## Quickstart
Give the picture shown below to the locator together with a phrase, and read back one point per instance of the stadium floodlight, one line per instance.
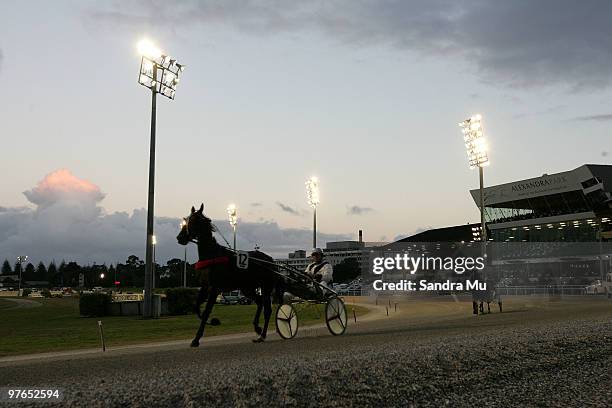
(232, 215)
(160, 73)
(21, 259)
(312, 193)
(475, 142)
(476, 145)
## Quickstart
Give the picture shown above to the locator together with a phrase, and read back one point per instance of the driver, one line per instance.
(320, 270)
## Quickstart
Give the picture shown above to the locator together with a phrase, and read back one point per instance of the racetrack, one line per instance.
(429, 353)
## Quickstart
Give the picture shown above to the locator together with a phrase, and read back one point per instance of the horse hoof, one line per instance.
(195, 344)
(259, 340)
(258, 330)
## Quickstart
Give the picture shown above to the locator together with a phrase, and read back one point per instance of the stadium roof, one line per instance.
(457, 233)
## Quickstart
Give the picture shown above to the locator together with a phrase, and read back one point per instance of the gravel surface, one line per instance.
(492, 360)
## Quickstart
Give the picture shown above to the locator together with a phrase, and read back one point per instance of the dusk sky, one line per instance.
(364, 94)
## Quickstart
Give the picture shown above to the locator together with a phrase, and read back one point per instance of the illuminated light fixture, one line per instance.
(232, 216)
(312, 191)
(475, 142)
(312, 194)
(147, 49)
(158, 72)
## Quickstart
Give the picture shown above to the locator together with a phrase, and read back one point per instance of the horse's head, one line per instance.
(195, 226)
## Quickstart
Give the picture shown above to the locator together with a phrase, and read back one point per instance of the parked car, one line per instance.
(233, 298)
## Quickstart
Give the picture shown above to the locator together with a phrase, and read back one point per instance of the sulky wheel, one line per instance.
(335, 316)
(286, 321)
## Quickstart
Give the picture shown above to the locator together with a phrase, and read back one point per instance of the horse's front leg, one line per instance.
(199, 300)
(212, 298)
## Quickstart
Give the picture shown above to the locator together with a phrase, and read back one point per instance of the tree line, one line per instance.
(128, 274)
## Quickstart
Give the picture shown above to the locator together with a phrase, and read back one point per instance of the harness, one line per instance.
(212, 261)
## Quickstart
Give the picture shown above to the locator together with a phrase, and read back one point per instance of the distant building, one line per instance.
(334, 252)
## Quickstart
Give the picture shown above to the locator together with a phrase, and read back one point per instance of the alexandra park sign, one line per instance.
(540, 183)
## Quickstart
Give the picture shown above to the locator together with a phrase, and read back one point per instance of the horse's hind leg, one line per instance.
(212, 298)
(489, 306)
(267, 309)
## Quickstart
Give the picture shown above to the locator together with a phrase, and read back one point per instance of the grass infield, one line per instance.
(57, 326)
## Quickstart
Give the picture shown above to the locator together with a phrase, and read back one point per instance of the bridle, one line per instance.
(214, 229)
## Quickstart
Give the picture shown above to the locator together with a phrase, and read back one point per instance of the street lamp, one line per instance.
(232, 216)
(312, 192)
(160, 73)
(21, 259)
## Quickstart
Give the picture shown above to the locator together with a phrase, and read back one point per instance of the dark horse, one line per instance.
(220, 273)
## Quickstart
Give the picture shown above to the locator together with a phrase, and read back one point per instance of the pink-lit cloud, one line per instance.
(62, 186)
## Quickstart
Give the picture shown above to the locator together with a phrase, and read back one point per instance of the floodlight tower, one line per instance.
(476, 145)
(232, 215)
(312, 193)
(160, 73)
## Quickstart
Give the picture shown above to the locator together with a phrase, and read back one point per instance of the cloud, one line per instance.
(357, 210)
(521, 43)
(67, 223)
(61, 186)
(594, 118)
(287, 208)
